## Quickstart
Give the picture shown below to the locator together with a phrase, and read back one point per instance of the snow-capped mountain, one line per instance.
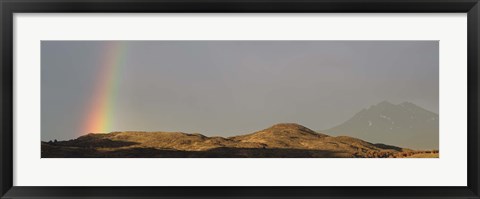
(405, 125)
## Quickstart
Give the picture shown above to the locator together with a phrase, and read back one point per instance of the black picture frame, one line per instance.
(10, 7)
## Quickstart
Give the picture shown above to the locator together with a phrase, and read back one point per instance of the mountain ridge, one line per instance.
(404, 124)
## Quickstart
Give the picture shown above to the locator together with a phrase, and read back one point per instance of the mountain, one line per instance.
(405, 124)
(285, 140)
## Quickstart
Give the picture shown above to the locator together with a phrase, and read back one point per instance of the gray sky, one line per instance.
(234, 87)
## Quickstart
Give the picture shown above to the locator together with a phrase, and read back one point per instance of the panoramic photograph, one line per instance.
(240, 99)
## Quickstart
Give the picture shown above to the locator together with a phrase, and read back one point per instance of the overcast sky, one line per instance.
(228, 88)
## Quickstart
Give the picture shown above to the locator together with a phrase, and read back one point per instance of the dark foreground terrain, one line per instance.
(279, 141)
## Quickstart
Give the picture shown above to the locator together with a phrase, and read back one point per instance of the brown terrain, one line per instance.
(284, 140)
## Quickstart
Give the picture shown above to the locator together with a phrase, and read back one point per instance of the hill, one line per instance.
(405, 124)
(286, 140)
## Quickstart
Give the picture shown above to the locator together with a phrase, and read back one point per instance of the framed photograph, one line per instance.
(239, 99)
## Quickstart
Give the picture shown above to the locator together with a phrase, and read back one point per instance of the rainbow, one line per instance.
(101, 110)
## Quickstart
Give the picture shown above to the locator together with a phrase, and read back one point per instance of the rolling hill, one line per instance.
(286, 140)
